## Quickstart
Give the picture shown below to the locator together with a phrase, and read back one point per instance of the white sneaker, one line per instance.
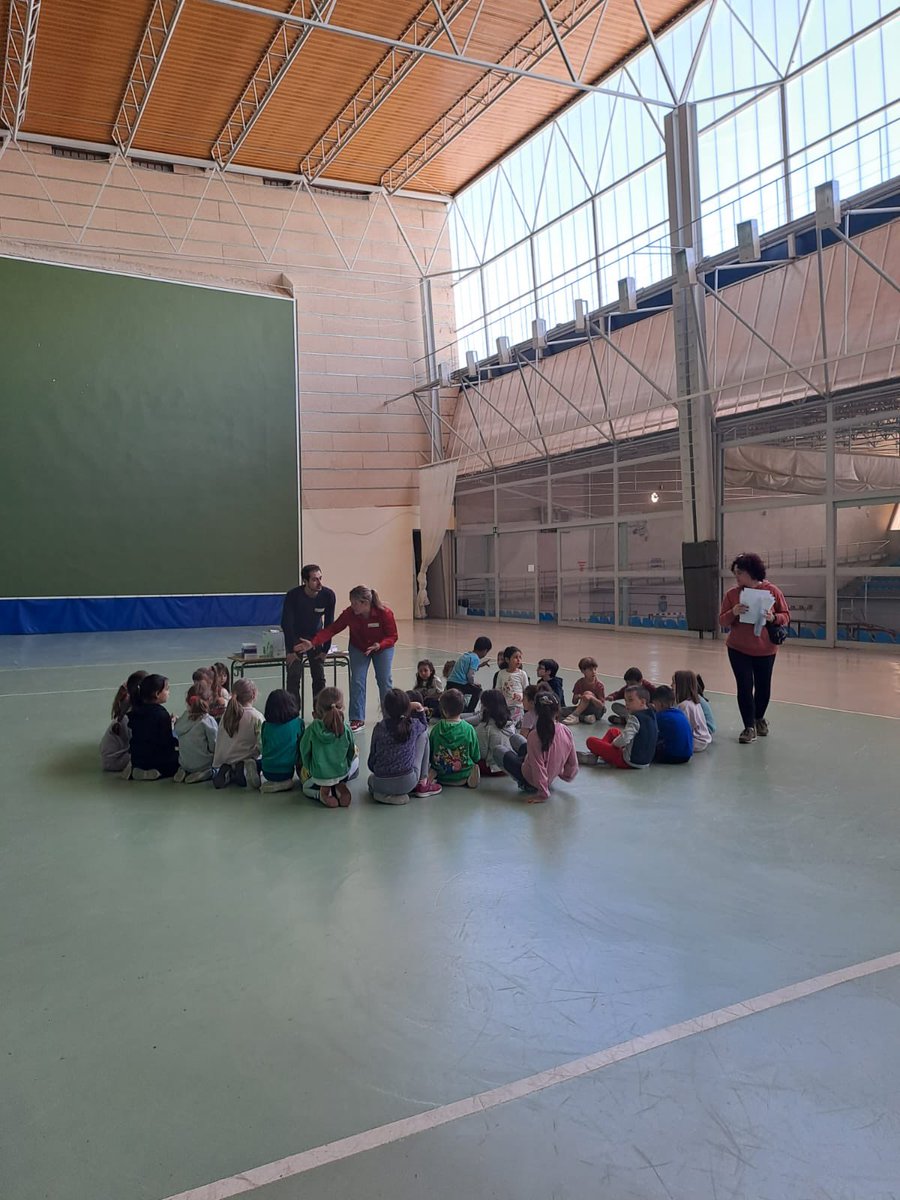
(382, 798)
(590, 719)
(276, 785)
(251, 773)
(586, 759)
(571, 719)
(125, 773)
(144, 776)
(180, 775)
(474, 777)
(198, 776)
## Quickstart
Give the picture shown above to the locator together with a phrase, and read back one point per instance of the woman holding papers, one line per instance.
(755, 613)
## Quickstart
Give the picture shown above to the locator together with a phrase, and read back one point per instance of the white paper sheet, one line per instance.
(758, 602)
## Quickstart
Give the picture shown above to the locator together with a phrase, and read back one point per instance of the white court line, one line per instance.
(395, 1131)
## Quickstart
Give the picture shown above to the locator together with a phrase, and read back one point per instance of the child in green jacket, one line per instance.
(454, 745)
(328, 754)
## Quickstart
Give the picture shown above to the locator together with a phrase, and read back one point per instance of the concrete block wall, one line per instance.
(354, 263)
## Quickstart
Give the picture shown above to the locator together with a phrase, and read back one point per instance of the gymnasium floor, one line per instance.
(197, 984)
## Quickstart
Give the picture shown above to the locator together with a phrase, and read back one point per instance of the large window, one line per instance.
(788, 93)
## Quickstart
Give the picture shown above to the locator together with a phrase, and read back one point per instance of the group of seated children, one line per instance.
(226, 739)
(515, 728)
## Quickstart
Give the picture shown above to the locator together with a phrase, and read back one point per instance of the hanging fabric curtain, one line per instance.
(437, 484)
(802, 472)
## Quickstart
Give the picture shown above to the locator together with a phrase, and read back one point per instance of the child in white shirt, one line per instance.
(687, 697)
(236, 758)
(512, 682)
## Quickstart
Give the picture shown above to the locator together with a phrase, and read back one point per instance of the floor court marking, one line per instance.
(395, 1131)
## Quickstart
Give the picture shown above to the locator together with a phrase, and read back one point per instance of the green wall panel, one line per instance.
(149, 436)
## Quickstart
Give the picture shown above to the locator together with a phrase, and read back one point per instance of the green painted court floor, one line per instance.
(196, 983)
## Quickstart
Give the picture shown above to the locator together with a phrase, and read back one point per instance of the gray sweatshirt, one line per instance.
(196, 742)
(490, 736)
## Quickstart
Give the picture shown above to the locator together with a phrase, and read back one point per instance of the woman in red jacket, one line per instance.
(752, 653)
(373, 634)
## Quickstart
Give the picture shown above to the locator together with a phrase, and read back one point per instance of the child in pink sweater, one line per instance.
(549, 751)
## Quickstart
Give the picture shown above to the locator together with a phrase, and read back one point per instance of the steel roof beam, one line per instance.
(462, 60)
(538, 43)
(21, 35)
(153, 49)
(424, 30)
(279, 56)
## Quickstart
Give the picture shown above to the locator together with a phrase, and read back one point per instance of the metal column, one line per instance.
(695, 414)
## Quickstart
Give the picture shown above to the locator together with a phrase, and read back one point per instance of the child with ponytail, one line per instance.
(328, 753)
(196, 731)
(115, 745)
(548, 752)
(154, 750)
(238, 741)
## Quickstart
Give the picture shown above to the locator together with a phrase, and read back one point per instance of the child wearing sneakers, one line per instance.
(512, 682)
(462, 673)
(548, 672)
(588, 696)
(279, 741)
(549, 752)
(237, 746)
(634, 677)
(154, 750)
(400, 753)
(454, 745)
(197, 733)
(634, 747)
(328, 752)
(495, 731)
(688, 700)
(430, 687)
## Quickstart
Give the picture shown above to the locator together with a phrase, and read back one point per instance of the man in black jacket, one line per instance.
(307, 609)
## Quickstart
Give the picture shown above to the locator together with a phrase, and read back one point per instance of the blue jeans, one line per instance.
(359, 670)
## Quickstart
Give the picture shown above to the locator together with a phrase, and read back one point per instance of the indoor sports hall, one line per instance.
(475, 342)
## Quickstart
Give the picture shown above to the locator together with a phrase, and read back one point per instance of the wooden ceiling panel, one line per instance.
(86, 51)
(82, 62)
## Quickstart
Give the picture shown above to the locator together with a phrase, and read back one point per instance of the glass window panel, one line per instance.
(588, 548)
(864, 536)
(786, 537)
(639, 482)
(522, 502)
(805, 595)
(476, 597)
(517, 572)
(868, 608)
(582, 496)
(475, 508)
(507, 279)
(475, 555)
(652, 603)
(651, 545)
(587, 599)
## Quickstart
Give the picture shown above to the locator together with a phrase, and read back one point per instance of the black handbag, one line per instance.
(777, 633)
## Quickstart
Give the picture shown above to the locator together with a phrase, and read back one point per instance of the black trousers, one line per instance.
(316, 662)
(471, 690)
(753, 675)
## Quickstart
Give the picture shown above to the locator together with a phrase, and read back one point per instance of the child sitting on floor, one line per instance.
(462, 673)
(115, 745)
(495, 731)
(549, 751)
(501, 666)
(429, 685)
(529, 715)
(454, 745)
(705, 705)
(400, 753)
(548, 672)
(279, 741)
(688, 700)
(237, 746)
(197, 732)
(328, 752)
(512, 682)
(634, 677)
(633, 747)
(154, 750)
(220, 694)
(588, 695)
(675, 743)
